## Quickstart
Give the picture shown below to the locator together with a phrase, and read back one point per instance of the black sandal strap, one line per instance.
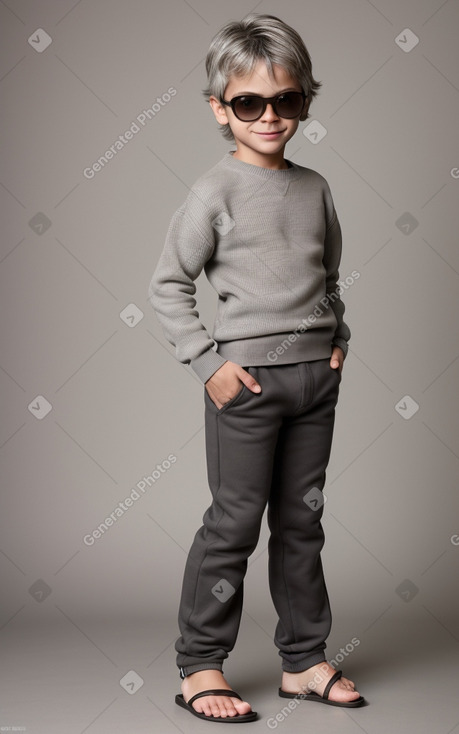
(214, 692)
(331, 682)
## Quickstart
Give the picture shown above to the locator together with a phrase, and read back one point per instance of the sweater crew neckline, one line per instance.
(277, 174)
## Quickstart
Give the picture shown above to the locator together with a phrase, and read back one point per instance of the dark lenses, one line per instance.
(287, 105)
(248, 108)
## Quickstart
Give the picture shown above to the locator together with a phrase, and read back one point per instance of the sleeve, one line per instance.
(171, 292)
(331, 261)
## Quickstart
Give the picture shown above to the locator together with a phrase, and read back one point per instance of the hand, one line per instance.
(225, 383)
(337, 359)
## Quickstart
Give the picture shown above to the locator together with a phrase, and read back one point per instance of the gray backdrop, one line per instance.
(95, 405)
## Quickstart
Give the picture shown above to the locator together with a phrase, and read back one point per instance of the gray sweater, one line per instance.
(269, 242)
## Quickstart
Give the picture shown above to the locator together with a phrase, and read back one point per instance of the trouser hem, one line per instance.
(303, 664)
(188, 669)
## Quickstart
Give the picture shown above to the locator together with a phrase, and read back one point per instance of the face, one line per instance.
(262, 141)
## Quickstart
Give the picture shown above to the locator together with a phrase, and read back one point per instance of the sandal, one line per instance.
(311, 696)
(239, 718)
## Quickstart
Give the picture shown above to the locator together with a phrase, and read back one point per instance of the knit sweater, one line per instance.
(269, 242)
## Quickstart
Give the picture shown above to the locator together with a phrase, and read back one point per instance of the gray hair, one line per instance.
(239, 45)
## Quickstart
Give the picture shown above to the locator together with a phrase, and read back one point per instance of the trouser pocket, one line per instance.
(232, 401)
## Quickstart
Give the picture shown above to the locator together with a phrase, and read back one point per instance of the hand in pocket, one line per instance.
(228, 381)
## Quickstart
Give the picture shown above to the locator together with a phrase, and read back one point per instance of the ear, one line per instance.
(219, 110)
(304, 112)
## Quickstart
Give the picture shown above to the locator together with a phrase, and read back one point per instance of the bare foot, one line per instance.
(218, 706)
(315, 679)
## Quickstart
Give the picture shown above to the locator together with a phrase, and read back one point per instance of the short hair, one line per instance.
(239, 45)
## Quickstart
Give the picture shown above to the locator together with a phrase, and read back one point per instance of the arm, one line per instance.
(331, 260)
(172, 289)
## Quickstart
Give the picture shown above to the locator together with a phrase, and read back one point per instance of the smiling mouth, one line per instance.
(271, 132)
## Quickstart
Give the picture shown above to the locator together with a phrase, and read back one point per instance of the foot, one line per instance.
(218, 706)
(315, 679)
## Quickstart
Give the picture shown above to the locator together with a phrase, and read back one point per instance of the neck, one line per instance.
(274, 161)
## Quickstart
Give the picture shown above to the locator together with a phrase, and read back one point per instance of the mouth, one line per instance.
(270, 135)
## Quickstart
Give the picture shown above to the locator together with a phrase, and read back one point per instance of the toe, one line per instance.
(220, 706)
(341, 693)
(241, 707)
(201, 707)
(348, 684)
(227, 707)
(216, 709)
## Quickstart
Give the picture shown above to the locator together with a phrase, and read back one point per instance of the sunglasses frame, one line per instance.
(266, 101)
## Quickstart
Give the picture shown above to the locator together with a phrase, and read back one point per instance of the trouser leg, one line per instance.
(295, 509)
(240, 446)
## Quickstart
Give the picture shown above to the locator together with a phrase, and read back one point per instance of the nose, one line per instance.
(269, 113)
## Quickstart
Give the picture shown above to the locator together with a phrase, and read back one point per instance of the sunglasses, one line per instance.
(248, 108)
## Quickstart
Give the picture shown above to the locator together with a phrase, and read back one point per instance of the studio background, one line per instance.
(94, 400)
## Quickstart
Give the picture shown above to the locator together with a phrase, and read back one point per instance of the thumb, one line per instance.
(249, 381)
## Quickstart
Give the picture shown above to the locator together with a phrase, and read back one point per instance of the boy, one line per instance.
(265, 231)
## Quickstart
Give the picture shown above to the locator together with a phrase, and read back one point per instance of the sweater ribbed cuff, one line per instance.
(206, 364)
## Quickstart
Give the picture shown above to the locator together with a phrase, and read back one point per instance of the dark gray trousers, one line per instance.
(272, 447)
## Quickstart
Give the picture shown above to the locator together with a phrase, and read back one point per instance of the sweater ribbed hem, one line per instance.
(267, 350)
(275, 349)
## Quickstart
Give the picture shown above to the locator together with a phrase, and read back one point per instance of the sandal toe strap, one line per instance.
(331, 682)
(214, 692)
